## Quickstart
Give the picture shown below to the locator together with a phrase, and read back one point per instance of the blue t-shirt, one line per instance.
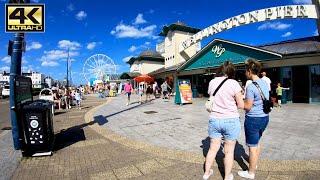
(253, 93)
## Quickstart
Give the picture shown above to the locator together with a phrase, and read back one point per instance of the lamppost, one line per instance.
(15, 50)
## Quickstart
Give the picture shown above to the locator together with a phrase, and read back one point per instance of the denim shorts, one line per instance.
(228, 128)
(254, 127)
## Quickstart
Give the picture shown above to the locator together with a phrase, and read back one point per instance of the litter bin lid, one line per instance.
(38, 104)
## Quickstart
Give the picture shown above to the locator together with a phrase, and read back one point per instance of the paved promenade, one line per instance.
(88, 147)
(9, 158)
(293, 132)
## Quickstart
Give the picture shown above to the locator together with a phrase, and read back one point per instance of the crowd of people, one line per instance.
(149, 90)
(63, 97)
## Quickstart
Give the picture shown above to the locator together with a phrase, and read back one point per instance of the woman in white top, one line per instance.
(224, 118)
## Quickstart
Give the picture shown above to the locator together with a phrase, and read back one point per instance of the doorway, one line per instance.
(300, 84)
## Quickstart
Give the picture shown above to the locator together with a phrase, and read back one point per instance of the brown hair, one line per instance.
(227, 68)
(253, 66)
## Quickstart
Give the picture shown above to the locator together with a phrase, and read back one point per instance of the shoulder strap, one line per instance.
(215, 92)
(261, 93)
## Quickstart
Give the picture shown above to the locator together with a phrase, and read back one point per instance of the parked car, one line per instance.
(5, 91)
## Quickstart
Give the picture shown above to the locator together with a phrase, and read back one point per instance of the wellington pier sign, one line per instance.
(274, 13)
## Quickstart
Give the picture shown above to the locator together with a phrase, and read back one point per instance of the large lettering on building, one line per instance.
(274, 13)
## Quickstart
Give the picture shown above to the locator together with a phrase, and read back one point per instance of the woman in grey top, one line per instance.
(256, 120)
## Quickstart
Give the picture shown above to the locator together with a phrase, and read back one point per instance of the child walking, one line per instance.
(279, 93)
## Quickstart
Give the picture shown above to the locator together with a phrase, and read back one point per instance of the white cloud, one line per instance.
(72, 45)
(51, 58)
(24, 61)
(5, 68)
(81, 15)
(49, 63)
(6, 59)
(132, 49)
(302, 1)
(128, 31)
(316, 33)
(91, 45)
(58, 54)
(70, 7)
(287, 34)
(139, 19)
(27, 68)
(126, 59)
(274, 26)
(34, 45)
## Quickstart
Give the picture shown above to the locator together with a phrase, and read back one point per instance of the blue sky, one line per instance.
(124, 28)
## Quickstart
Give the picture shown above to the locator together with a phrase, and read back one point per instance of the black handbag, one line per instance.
(267, 104)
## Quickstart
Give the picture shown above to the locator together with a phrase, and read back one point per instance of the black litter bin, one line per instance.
(37, 128)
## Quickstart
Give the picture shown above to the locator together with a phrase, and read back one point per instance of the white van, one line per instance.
(5, 91)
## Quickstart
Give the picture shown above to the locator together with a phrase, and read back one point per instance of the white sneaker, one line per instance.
(245, 174)
(230, 177)
(206, 177)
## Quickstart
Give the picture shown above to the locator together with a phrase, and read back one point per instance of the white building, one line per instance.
(4, 78)
(174, 35)
(146, 62)
(38, 79)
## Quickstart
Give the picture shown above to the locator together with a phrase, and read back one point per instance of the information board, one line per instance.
(22, 89)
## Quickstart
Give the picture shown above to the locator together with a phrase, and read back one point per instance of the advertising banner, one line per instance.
(185, 91)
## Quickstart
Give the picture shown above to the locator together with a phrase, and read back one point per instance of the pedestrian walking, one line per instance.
(256, 120)
(140, 92)
(149, 91)
(279, 93)
(155, 89)
(128, 90)
(165, 90)
(267, 80)
(78, 98)
(224, 119)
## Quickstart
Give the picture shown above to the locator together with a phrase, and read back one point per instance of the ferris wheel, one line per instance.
(98, 67)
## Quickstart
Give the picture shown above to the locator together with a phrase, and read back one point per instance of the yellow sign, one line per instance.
(25, 18)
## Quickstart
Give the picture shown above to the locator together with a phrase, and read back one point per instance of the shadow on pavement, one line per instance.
(239, 155)
(72, 135)
(59, 112)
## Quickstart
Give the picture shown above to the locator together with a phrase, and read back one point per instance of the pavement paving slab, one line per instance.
(88, 148)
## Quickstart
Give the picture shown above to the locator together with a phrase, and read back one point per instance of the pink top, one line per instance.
(127, 87)
(224, 101)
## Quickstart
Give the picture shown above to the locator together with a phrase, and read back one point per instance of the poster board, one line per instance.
(22, 89)
(185, 92)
